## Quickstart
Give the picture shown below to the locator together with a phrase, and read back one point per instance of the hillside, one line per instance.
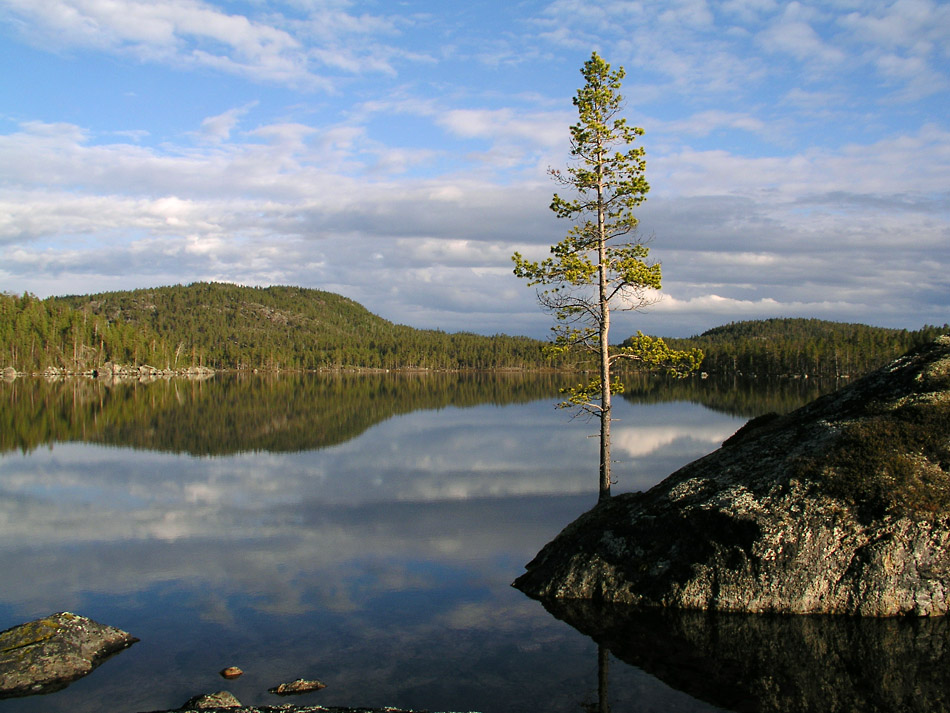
(226, 326)
(799, 347)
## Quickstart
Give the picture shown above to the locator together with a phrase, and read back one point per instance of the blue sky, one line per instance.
(397, 152)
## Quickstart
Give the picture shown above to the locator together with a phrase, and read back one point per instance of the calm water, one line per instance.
(365, 531)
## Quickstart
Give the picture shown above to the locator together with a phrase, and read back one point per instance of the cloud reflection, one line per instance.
(384, 560)
(449, 485)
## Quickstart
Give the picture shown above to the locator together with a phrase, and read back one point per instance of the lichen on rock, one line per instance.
(842, 506)
(49, 653)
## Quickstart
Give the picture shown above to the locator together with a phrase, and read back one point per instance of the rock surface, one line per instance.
(48, 654)
(842, 506)
(297, 687)
(210, 701)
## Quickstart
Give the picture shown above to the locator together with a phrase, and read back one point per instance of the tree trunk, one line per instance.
(604, 337)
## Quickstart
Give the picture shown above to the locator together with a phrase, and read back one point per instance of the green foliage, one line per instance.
(896, 462)
(654, 353)
(37, 334)
(227, 326)
(591, 272)
(794, 347)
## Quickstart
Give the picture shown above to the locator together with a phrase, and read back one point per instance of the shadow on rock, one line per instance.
(766, 663)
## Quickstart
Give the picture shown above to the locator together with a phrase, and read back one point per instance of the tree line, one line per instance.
(225, 326)
(803, 347)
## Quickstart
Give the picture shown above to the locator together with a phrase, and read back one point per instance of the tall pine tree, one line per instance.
(596, 269)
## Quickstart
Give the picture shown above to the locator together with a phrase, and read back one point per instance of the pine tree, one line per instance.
(592, 272)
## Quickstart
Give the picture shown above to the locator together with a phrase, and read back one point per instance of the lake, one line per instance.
(364, 530)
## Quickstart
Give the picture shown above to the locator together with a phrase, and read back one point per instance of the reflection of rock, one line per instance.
(842, 506)
(776, 663)
(48, 654)
(296, 687)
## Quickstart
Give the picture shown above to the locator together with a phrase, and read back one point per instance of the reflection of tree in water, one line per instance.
(231, 414)
(293, 412)
(763, 663)
(728, 394)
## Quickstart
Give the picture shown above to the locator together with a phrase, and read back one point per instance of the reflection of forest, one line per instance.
(230, 414)
(295, 412)
(753, 662)
(733, 395)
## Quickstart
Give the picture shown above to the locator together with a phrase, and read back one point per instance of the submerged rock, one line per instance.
(48, 654)
(842, 506)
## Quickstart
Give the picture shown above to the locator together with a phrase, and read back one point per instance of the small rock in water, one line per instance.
(231, 672)
(296, 687)
(221, 699)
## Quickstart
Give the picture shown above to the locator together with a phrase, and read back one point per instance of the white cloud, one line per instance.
(292, 204)
(793, 34)
(196, 34)
(773, 178)
(637, 442)
(707, 122)
(547, 129)
(919, 26)
(218, 128)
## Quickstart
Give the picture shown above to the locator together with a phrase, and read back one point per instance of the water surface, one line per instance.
(363, 530)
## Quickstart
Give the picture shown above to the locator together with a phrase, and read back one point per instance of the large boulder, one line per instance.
(842, 506)
(47, 654)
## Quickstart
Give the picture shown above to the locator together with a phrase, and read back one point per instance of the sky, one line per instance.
(398, 153)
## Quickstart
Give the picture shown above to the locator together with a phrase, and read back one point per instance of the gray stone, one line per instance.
(47, 654)
(297, 687)
(842, 506)
(210, 701)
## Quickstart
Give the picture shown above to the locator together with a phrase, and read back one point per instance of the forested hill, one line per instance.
(793, 347)
(227, 326)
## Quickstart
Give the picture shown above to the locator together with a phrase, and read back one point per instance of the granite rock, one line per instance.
(48, 654)
(842, 506)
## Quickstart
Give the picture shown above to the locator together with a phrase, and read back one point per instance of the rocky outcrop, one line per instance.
(842, 506)
(48, 654)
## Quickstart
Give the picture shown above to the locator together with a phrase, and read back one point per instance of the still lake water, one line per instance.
(364, 530)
